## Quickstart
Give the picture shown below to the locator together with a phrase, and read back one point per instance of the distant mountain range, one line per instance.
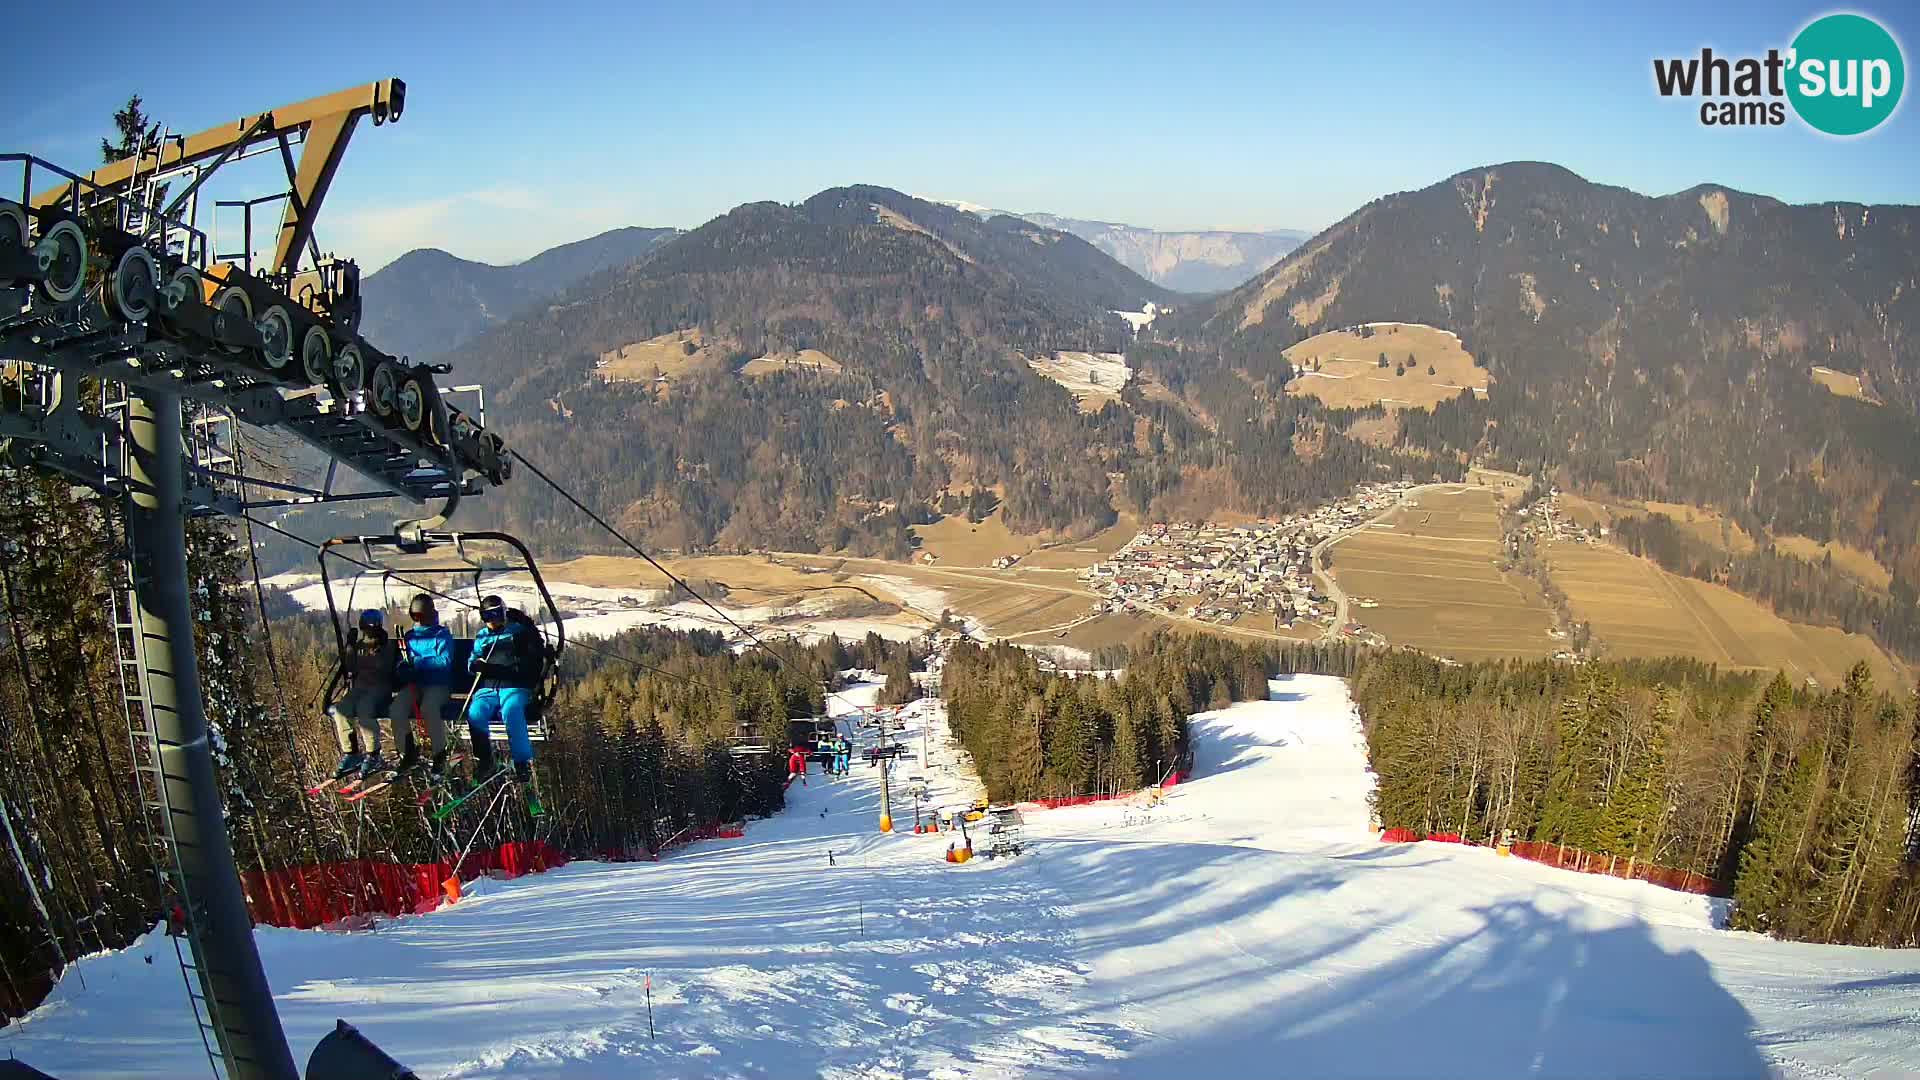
(1188, 261)
(1649, 347)
(427, 301)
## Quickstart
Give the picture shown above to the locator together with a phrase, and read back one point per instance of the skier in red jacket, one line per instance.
(797, 766)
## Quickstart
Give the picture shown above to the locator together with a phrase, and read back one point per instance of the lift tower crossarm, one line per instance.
(327, 123)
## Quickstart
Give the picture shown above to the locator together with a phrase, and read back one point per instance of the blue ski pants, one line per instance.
(509, 705)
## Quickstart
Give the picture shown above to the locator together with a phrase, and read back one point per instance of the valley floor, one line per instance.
(1249, 925)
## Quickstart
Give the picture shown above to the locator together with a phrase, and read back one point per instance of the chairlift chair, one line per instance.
(419, 544)
(748, 741)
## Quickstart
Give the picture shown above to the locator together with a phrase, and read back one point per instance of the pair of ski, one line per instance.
(503, 773)
(355, 788)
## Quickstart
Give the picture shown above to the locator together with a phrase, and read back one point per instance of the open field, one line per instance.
(960, 542)
(1637, 609)
(751, 576)
(1430, 568)
(1861, 565)
(1507, 486)
(1101, 631)
(1080, 554)
(1843, 384)
(1346, 369)
(673, 354)
(1006, 602)
(806, 360)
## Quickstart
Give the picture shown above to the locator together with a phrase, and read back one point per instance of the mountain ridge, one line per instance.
(429, 300)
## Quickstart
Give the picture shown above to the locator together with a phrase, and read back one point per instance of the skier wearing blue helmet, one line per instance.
(368, 667)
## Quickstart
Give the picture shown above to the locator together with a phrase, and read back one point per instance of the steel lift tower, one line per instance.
(127, 346)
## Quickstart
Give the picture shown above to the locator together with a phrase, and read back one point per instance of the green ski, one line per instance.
(442, 813)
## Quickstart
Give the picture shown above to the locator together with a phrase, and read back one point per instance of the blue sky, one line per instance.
(530, 125)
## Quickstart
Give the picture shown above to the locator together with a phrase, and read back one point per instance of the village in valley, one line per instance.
(1220, 573)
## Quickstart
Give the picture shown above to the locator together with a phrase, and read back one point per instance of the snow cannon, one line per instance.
(345, 1054)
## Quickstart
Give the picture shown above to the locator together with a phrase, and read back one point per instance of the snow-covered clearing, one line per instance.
(1084, 373)
(1247, 926)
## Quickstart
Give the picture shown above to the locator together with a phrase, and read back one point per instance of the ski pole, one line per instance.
(474, 687)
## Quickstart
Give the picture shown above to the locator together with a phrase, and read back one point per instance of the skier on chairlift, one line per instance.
(425, 676)
(369, 669)
(507, 658)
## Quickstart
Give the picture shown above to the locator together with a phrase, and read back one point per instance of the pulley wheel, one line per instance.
(233, 303)
(276, 329)
(316, 355)
(461, 425)
(134, 286)
(350, 369)
(13, 226)
(383, 390)
(63, 255)
(184, 287)
(412, 402)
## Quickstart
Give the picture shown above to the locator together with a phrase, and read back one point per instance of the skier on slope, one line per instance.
(426, 678)
(368, 667)
(507, 657)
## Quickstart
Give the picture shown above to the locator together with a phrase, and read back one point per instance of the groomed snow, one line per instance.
(1248, 926)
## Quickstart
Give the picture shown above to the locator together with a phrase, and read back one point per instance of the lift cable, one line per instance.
(295, 757)
(671, 576)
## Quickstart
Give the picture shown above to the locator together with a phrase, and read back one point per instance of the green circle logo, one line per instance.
(1847, 74)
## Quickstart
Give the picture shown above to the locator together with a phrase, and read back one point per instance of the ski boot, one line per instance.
(409, 758)
(437, 772)
(372, 766)
(523, 780)
(349, 765)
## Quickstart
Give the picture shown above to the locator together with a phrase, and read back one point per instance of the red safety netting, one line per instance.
(1584, 862)
(1083, 800)
(1619, 866)
(304, 897)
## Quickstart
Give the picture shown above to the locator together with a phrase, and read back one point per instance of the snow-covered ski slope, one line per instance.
(1247, 927)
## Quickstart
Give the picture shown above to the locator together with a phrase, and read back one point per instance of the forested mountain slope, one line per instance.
(428, 301)
(929, 312)
(1656, 348)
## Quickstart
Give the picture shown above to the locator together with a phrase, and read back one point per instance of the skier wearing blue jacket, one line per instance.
(507, 657)
(425, 675)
